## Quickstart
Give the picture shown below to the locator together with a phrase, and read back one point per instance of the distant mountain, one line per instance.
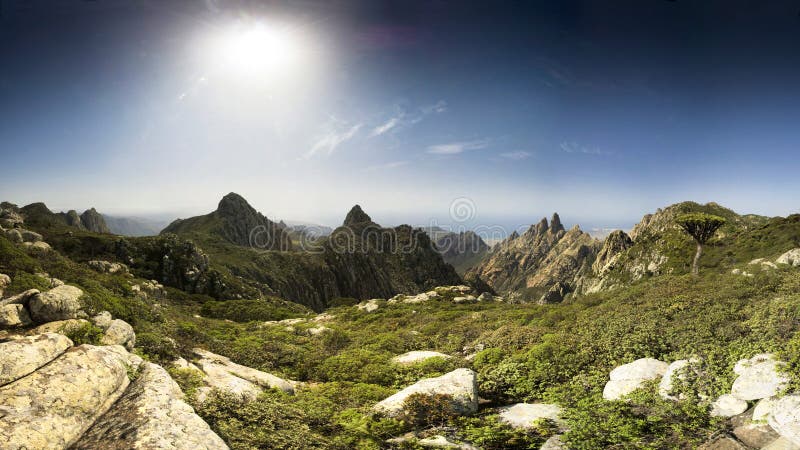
(544, 263)
(236, 222)
(360, 259)
(134, 226)
(462, 250)
(90, 220)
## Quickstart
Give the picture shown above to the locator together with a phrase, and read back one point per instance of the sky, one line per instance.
(437, 112)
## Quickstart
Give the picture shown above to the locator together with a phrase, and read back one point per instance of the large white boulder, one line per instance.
(417, 356)
(673, 373)
(792, 258)
(151, 415)
(223, 374)
(368, 306)
(728, 406)
(5, 280)
(785, 417)
(22, 356)
(58, 303)
(460, 384)
(759, 377)
(523, 415)
(629, 377)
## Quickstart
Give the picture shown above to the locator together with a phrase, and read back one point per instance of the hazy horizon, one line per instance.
(600, 112)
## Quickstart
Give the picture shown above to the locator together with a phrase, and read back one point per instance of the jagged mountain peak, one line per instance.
(234, 204)
(94, 221)
(356, 216)
(555, 224)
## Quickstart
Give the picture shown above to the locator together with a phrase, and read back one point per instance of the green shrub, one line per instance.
(489, 433)
(187, 378)
(157, 347)
(247, 310)
(84, 334)
(342, 301)
(423, 410)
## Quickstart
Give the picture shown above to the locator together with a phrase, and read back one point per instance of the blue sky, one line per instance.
(599, 111)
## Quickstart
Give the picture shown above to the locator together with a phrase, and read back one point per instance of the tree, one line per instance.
(701, 227)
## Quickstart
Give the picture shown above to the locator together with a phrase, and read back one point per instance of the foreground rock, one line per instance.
(629, 377)
(523, 415)
(759, 377)
(223, 374)
(23, 356)
(108, 267)
(785, 418)
(14, 315)
(151, 415)
(54, 406)
(59, 303)
(460, 384)
(417, 356)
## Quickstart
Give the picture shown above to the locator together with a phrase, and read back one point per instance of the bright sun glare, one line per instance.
(261, 50)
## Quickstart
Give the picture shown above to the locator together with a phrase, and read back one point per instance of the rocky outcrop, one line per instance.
(462, 250)
(417, 356)
(615, 244)
(23, 355)
(54, 406)
(629, 377)
(543, 264)
(460, 384)
(59, 303)
(151, 415)
(94, 221)
(728, 405)
(792, 258)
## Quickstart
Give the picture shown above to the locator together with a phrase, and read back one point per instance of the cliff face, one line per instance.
(544, 263)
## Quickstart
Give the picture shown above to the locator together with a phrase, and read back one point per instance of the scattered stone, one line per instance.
(30, 236)
(316, 331)
(440, 441)
(103, 320)
(728, 406)
(151, 414)
(523, 415)
(485, 297)
(58, 303)
(417, 356)
(553, 443)
(22, 356)
(119, 333)
(792, 258)
(5, 280)
(756, 435)
(420, 298)
(465, 299)
(629, 377)
(723, 442)
(763, 263)
(108, 267)
(759, 378)
(461, 384)
(39, 246)
(14, 315)
(14, 236)
(53, 406)
(368, 306)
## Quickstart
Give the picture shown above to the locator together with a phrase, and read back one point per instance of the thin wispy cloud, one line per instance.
(454, 148)
(390, 165)
(386, 127)
(574, 147)
(516, 156)
(338, 133)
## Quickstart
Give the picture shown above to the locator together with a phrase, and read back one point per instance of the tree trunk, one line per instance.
(696, 263)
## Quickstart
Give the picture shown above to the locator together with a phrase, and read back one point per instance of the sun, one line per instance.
(261, 50)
